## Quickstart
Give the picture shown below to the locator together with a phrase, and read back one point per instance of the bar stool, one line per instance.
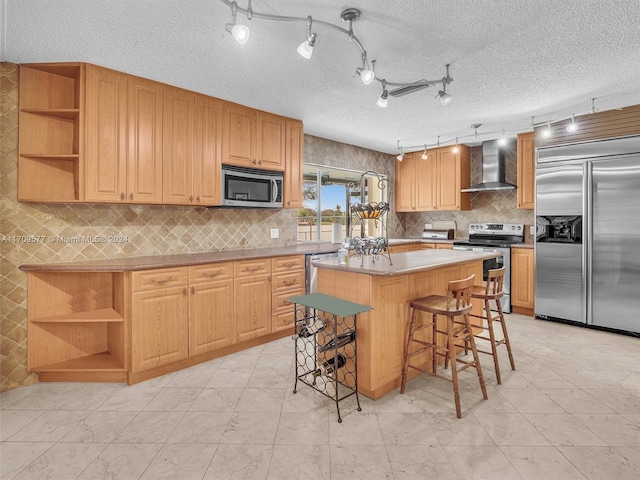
(493, 290)
(456, 304)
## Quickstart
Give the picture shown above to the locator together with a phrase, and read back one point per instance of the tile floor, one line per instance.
(571, 410)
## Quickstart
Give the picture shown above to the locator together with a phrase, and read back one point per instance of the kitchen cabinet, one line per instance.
(210, 307)
(51, 134)
(252, 298)
(288, 280)
(526, 163)
(434, 183)
(105, 160)
(207, 176)
(77, 326)
(251, 138)
(159, 318)
(144, 162)
(294, 157)
(178, 142)
(522, 280)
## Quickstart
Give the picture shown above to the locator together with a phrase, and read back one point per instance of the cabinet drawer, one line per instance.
(248, 268)
(282, 320)
(286, 264)
(288, 281)
(159, 278)
(213, 271)
(279, 301)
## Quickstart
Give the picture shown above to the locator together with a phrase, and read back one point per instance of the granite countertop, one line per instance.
(402, 241)
(406, 262)
(179, 260)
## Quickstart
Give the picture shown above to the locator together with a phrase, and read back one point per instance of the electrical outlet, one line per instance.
(275, 233)
(428, 225)
(532, 229)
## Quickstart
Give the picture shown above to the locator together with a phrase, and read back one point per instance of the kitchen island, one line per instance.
(389, 288)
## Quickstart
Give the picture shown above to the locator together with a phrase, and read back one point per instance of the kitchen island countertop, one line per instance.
(406, 262)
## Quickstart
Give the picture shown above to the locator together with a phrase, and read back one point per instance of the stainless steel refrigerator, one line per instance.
(588, 233)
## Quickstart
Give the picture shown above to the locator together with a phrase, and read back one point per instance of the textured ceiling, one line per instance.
(510, 59)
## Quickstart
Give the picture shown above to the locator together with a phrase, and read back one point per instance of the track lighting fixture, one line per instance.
(382, 101)
(306, 48)
(456, 148)
(573, 126)
(349, 15)
(546, 133)
(239, 32)
(400, 156)
(424, 155)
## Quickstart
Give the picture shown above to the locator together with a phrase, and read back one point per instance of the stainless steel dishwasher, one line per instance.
(312, 272)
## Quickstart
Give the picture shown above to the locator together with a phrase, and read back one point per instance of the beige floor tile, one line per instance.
(528, 400)
(541, 463)
(51, 426)
(601, 463)
(149, 427)
(240, 462)
(562, 429)
(464, 431)
(121, 462)
(62, 461)
(358, 428)
(575, 400)
(14, 420)
(171, 399)
(229, 378)
(217, 400)
(180, 461)
(613, 428)
(420, 462)
(252, 428)
(406, 429)
(15, 456)
(481, 463)
(261, 400)
(309, 462)
(200, 427)
(100, 427)
(360, 462)
(297, 428)
(510, 429)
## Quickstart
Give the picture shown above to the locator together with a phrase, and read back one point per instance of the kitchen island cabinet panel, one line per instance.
(523, 280)
(252, 302)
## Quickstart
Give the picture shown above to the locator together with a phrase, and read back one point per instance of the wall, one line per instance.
(149, 230)
(498, 206)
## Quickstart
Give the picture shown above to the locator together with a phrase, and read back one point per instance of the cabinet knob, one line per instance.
(289, 203)
(131, 196)
(191, 198)
(122, 196)
(254, 162)
(184, 292)
(193, 290)
(259, 162)
(198, 199)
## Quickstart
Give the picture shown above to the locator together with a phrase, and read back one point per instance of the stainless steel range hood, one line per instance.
(493, 160)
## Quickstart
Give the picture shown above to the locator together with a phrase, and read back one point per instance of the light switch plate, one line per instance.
(275, 233)
(532, 229)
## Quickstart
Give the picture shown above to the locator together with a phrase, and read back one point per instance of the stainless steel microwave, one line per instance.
(251, 188)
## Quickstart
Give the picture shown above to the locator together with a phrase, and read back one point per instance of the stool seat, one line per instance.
(481, 292)
(455, 305)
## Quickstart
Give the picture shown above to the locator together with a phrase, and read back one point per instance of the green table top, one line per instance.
(329, 304)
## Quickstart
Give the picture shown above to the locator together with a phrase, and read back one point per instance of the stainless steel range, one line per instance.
(494, 237)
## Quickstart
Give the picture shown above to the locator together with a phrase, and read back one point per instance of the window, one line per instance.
(328, 192)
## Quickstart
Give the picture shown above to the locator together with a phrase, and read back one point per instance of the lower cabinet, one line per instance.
(522, 280)
(252, 297)
(288, 281)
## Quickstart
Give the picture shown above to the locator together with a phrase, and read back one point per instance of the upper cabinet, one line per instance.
(435, 182)
(526, 170)
(51, 133)
(293, 164)
(251, 138)
(90, 134)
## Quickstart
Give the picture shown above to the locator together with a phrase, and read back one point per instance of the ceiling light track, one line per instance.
(350, 15)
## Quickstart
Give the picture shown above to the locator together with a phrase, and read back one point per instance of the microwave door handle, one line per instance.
(274, 196)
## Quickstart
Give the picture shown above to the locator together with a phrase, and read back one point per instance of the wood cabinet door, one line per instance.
(270, 141)
(207, 179)
(426, 186)
(449, 180)
(159, 327)
(405, 184)
(252, 301)
(178, 136)
(294, 157)
(239, 135)
(106, 135)
(210, 316)
(526, 163)
(144, 163)
(522, 278)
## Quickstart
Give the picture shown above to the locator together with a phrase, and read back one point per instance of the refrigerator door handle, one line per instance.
(587, 226)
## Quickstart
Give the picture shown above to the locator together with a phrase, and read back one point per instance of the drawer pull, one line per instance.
(289, 264)
(211, 275)
(252, 269)
(163, 281)
(288, 284)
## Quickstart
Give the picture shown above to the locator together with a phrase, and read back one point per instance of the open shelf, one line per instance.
(99, 362)
(101, 315)
(68, 113)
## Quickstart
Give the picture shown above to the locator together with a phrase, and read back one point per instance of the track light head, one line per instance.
(382, 101)
(367, 76)
(239, 32)
(573, 126)
(400, 156)
(306, 48)
(502, 141)
(445, 98)
(546, 133)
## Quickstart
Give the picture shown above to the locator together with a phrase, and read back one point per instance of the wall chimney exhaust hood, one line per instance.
(493, 160)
